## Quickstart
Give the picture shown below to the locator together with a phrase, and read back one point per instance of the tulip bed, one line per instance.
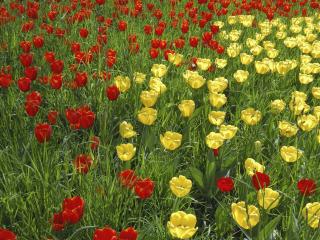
(165, 119)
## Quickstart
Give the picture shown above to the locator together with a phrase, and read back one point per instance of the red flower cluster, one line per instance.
(108, 233)
(143, 188)
(72, 212)
(81, 117)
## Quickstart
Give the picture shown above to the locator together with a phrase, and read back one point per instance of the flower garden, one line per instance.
(159, 120)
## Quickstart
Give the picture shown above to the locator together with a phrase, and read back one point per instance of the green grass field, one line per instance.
(35, 177)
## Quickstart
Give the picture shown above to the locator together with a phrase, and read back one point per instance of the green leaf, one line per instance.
(210, 177)
(266, 232)
(197, 176)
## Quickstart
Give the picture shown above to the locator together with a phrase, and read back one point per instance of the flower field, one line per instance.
(159, 120)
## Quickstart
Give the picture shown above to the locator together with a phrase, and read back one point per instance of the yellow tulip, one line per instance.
(277, 106)
(252, 166)
(256, 50)
(157, 85)
(203, 63)
(246, 216)
(232, 20)
(246, 59)
(228, 131)
(122, 83)
(272, 53)
(246, 20)
(233, 50)
(147, 116)
(251, 116)
(270, 63)
(281, 35)
(234, 35)
(217, 85)
(283, 67)
(290, 42)
(126, 130)
(261, 67)
(139, 77)
(316, 112)
(287, 129)
(194, 79)
(267, 45)
(214, 140)
(182, 225)
(295, 28)
(241, 76)
(316, 92)
(311, 212)
(220, 63)
(217, 100)
(175, 58)
(149, 98)
(305, 59)
(126, 151)
(268, 198)
(187, 107)
(307, 122)
(216, 117)
(250, 42)
(180, 186)
(290, 154)
(311, 37)
(305, 78)
(159, 70)
(171, 140)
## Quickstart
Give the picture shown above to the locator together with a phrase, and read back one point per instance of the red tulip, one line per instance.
(82, 163)
(144, 188)
(83, 32)
(31, 109)
(220, 49)
(112, 93)
(127, 178)
(56, 81)
(122, 25)
(147, 29)
(6, 234)
(105, 233)
(72, 209)
(307, 186)
(5, 80)
(128, 234)
(26, 46)
(26, 59)
(38, 41)
(214, 29)
(153, 53)
(260, 180)
(57, 222)
(193, 41)
(52, 117)
(225, 184)
(179, 43)
(75, 47)
(81, 79)
(43, 132)
(31, 72)
(57, 66)
(34, 98)
(24, 84)
(87, 117)
(72, 116)
(49, 56)
(100, 2)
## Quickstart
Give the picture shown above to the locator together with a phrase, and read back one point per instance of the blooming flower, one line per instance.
(307, 186)
(225, 184)
(290, 153)
(126, 151)
(311, 212)
(182, 225)
(180, 186)
(171, 140)
(252, 166)
(268, 198)
(247, 216)
(126, 130)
